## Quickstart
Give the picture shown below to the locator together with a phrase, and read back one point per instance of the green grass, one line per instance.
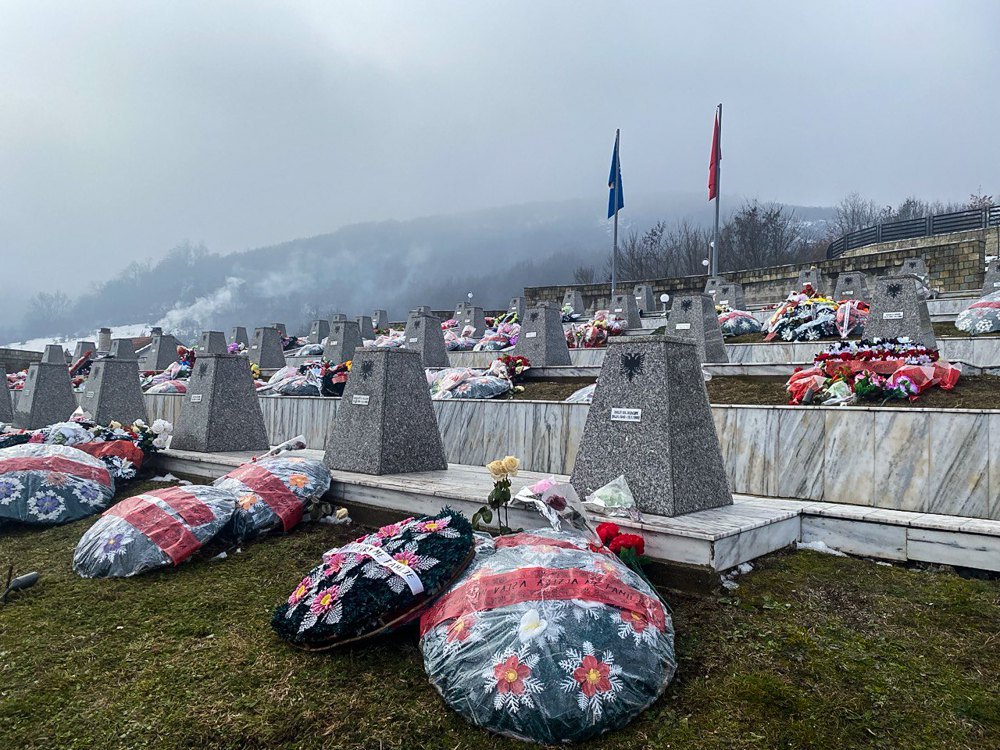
(811, 651)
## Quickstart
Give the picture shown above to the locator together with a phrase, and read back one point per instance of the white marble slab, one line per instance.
(849, 457)
(901, 449)
(879, 540)
(953, 548)
(994, 477)
(748, 545)
(799, 457)
(958, 479)
(756, 447)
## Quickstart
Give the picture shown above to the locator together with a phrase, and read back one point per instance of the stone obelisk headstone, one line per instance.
(162, 352)
(265, 349)
(916, 266)
(239, 336)
(730, 293)
(851, 285)
(104, 340)
(112, 392)
(422, 310)
(518, 307)
(475, 317)
(338, 318)
(381, 320)
(220, 411)
(651, 422)
(343, 339)
(574, 299)
(643, 294)
(459, 311)
(813, 277)
(6, 404)
(82, 347)
(47, 396)
(423, 334)
(212, 342)
(365, 326)
(280, 328)
(693, 318)
(713, 284)
(319, 330)
(385, 423)
(991, 283)
(898, 310)
(624, 306)
(542, 338)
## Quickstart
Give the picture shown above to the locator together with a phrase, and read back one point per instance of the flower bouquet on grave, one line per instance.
(852, 315)
(736, 322)
(498, 500)
(803, 317)
(510, 367)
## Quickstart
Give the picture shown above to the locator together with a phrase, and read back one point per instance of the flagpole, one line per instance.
(718, 197)
(614, 243)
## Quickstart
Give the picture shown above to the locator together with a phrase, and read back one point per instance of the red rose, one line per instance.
(607, 532)
(628, 541)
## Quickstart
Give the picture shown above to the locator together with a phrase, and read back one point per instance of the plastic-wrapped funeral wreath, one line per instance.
(982, 316)
(376, 583)
(51, 484)
(738, 323)
(154, 530)
(544, 639)
(274, 492)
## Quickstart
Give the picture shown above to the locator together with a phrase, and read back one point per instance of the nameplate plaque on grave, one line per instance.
(724, 302)
(847, 292)
(413, 340)
(360, 400)
(90, 394)
(682, 327)
(898, 315)
(626, 415)
(531, 334)
(196, 398)
(618, 309)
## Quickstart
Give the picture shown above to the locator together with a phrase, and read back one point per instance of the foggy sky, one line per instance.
(129, 127)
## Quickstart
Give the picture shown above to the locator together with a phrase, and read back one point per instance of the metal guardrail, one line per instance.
(958, 221)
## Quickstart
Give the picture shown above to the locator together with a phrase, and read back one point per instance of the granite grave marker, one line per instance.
(381, 320)
(319, 330)
(160, 354)
(713, 284)
(542, 339)
(897, 310)
(104, 340)
(517, 306)
(731, 293)
(812, 277)
(365, 327)
(385, 423)
(650, 421)
(280, 328)
(221, 410)
(851, 285)
(693, 318)
(212, 342)
(239, 336)
(344, 338)
(112, 392)
(475, 317)
(265, 349)
(6, 403)
(991, 282)
(624, 306)
(643, 294)
(574, 300)
(47, 396)
(423, 334)
(82, 347)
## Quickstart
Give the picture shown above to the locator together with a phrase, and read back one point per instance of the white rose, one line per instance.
(160, 442)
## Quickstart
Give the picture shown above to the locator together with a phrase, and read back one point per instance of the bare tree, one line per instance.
(980, 200)
(585, 275)
(758, 235)
(855, 212)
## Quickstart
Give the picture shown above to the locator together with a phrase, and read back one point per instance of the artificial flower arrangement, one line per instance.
(513, 367)
(879, 369)
(804, 316)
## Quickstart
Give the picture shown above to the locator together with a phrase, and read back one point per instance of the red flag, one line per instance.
(713, 166)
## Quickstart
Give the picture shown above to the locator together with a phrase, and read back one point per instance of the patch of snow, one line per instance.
(819, 547)
(729, 584)
(127, 331)
(744, 568)
(221, 556)
(165, 478)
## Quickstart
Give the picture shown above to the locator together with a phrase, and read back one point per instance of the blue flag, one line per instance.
(615, 182)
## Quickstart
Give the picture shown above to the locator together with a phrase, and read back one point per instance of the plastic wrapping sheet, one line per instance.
(852, 315)
(738, 322)
(583, 396)
(982, 316)
(154, 530)
(543, 639)
(274, 492)
(463, 382)
(168, 386)
(376, 583)
(51, 484)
